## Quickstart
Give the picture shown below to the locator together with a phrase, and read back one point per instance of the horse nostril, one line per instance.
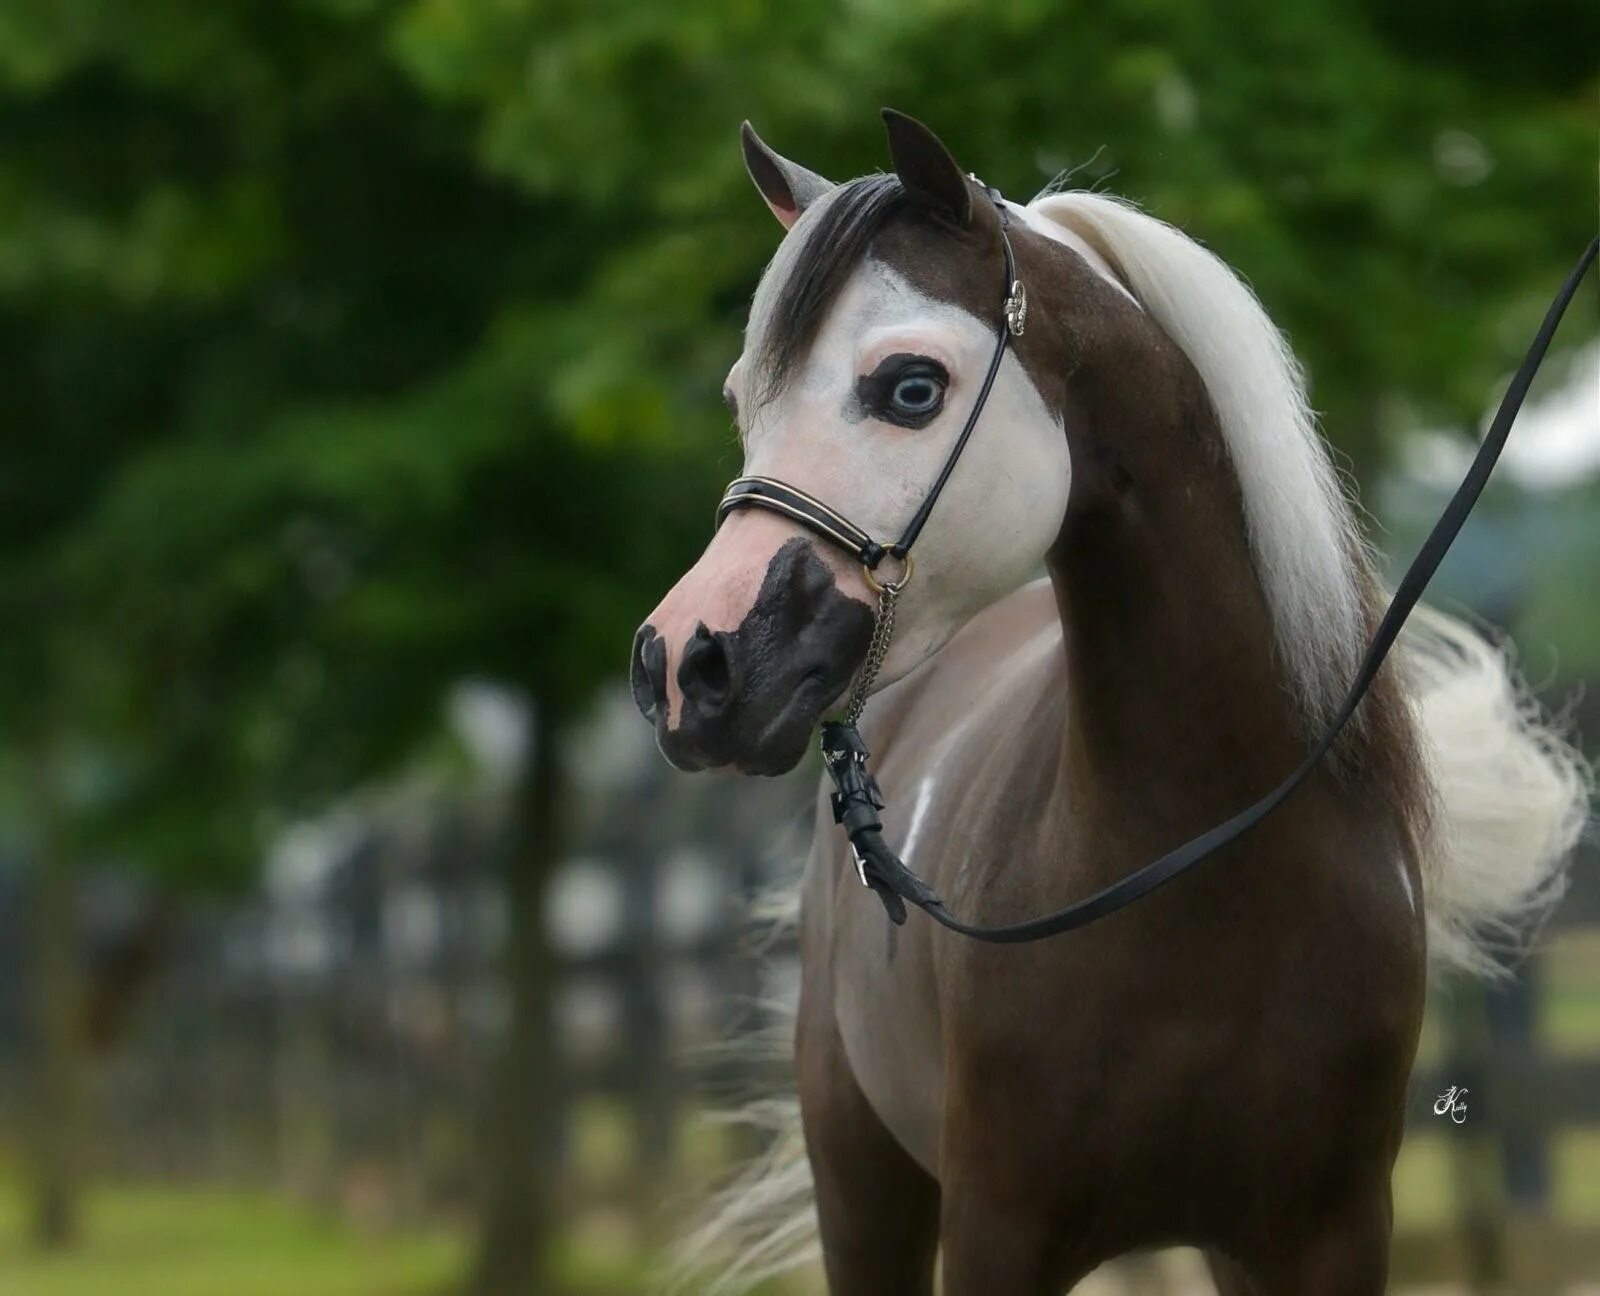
(647, 672)
(705, 675)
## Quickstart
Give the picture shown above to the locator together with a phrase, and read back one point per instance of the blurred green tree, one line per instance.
(359, 346)
(310, 429)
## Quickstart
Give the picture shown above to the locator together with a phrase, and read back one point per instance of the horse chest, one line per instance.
(962, 759)
(1221, 1007)
(885, 1003)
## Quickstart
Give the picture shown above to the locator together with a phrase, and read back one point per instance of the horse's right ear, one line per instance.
(787, 186)
(931, 176)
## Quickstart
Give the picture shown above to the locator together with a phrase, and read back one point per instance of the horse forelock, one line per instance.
(808, 272)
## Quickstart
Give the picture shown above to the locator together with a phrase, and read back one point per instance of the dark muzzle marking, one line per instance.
(751, 695)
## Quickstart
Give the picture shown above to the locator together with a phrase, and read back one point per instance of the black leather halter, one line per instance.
(856, 798)
(833, 526)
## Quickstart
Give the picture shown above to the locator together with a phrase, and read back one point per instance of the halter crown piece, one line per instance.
(856, 798)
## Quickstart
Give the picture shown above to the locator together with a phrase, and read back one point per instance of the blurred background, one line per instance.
(361, 366)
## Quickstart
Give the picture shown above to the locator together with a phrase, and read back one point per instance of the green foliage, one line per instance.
(355, 346)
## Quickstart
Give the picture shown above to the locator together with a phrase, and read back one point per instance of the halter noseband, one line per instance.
(833, 526)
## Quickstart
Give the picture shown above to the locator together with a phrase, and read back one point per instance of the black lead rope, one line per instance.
(856, 801)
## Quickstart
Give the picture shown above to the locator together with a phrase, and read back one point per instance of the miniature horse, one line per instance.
(1223, 1064)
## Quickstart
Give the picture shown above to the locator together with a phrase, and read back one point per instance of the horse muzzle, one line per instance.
(749, 698)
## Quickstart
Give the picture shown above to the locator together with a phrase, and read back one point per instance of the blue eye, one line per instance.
(917, 394)
(904, 389)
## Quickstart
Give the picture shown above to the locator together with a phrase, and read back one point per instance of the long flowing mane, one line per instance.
(1308, 552)
(1504, 798)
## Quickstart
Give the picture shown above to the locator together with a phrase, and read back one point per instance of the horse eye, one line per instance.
(904, 389)
(917, 394)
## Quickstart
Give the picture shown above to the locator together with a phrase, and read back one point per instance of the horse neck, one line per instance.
(1178, 712)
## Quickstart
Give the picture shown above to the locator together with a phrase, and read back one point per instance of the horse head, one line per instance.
(869, 340)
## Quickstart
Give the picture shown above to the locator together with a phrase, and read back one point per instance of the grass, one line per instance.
(160, 1241)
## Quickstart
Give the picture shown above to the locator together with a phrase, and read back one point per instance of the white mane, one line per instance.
(1301, 529)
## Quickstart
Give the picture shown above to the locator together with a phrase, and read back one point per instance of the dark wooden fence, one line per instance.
(332, 1033)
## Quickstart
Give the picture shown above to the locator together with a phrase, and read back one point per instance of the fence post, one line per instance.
(1474, 1149)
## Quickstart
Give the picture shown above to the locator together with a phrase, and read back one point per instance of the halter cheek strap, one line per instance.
(856, 799)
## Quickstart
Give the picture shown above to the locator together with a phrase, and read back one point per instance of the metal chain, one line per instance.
(877, 650)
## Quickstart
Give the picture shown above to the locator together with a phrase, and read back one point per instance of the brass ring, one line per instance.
(890, 587)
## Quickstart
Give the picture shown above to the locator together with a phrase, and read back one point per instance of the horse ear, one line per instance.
(926, 169)
(787, 186)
